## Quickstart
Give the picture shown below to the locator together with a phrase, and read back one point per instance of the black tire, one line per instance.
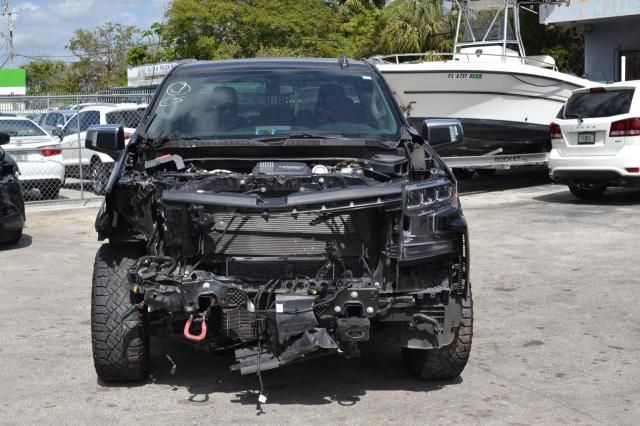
(463, 174)
(587, 191)
(446, 362)
(14, 238)
(118, 329)
(50, 190)
(100, 174)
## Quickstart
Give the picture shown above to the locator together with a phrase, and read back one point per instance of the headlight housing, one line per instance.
(427, 206)
(433, 196)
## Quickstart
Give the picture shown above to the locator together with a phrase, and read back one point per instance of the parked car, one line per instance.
(54, 119)
(12, 214)
(38, 154)
(95, 165)
(596, 140)
(284, 209)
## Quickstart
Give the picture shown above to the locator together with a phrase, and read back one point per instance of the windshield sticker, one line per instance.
(170, 101)
(179, 88)
(366, 77)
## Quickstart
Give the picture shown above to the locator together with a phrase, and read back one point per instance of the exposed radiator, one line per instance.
(284, 236)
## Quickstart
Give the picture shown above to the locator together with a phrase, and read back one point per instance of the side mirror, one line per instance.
(5, 138)
(1, 155)
(108, 139)
(442, 131)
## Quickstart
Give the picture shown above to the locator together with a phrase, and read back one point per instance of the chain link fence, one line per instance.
(48, 135)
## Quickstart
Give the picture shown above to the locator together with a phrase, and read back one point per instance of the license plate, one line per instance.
(586, 138)
(20, 157)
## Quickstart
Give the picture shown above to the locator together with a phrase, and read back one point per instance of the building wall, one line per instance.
(604, 40)
(610, 27)
(587, 10)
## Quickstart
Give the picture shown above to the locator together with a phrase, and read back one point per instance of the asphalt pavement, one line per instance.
(557, 322)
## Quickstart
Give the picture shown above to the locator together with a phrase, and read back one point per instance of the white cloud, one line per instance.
(44, 28)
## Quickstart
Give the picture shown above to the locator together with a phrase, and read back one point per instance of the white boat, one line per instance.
(504, 98)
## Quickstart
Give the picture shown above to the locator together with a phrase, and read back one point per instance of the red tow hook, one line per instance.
(203, 330)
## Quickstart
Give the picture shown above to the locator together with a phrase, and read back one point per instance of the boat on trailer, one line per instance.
(504, 98)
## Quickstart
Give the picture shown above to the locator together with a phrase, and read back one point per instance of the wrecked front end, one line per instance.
(287, 260)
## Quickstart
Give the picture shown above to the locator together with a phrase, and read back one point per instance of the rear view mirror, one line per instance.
(5, 138)
(442, 131)
(56, 131)
(108, 139)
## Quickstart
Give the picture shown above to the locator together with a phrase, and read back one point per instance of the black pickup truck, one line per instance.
(282, 209)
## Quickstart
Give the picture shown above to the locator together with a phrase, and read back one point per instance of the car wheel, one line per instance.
(50, 190)
(119, 335)
(14, 237)
(100, 173)
(446, 362)
(586, 191)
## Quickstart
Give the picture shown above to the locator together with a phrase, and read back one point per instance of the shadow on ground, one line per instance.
(328, 380)
(503, 180)
(613, 197)
(24, 243)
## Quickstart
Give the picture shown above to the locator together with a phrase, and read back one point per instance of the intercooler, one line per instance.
(284, 235)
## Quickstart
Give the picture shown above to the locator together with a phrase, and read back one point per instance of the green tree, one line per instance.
(44, 76)
(102, 55)
(565, 45)
(363, 22)
(150, 48)
(415, 26)
(217, 29)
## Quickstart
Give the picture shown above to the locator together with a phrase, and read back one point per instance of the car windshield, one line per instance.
(260, 103)
(21, 128)
(598, 104)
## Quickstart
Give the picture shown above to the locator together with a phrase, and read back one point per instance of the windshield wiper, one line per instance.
(175, 136)
(277, 138)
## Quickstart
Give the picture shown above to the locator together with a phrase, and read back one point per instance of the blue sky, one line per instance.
(44, 27)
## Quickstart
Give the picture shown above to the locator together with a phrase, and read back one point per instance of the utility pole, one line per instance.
(8, 11)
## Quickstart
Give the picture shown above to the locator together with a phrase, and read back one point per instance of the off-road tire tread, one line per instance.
(14, 238)
(120, 345)
(449, 361)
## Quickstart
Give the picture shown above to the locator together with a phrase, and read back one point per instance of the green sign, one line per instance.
(13, 78)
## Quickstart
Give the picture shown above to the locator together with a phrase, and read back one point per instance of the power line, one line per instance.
(7, 10)
(86, 54)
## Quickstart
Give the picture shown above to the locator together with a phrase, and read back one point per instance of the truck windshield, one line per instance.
(256, 103)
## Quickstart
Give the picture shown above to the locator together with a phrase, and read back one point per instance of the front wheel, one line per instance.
(586, 191)
(14, 238)
(118, 329)
(446, 362)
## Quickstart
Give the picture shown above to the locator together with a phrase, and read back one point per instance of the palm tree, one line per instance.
(415, 26)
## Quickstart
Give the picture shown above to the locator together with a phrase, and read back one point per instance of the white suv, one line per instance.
(95, 165)
(596, 140)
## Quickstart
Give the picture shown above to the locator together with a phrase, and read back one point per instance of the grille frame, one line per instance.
(284, 235)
